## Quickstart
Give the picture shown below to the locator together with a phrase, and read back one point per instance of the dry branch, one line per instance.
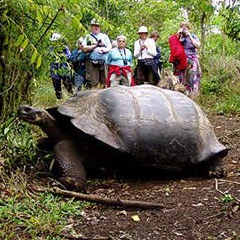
(108, 201)
(101, 200)
(224, 193)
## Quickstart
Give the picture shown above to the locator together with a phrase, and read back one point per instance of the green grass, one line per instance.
(220, 97)
(25, 214)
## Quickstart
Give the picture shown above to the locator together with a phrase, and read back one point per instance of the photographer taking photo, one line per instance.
(191, 75)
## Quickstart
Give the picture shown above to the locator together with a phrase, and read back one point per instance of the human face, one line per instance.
(143, 36)
(155, 37)
(121, 43)
(95, 29)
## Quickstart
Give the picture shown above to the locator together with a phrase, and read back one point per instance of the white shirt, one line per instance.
(150, 52)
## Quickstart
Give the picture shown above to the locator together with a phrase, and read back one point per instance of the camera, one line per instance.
(125, 62)
(184, 32)
(100, 44)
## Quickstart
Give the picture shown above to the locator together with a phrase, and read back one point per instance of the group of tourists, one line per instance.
(98, 63)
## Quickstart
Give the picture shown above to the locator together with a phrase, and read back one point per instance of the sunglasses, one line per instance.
(121, 41)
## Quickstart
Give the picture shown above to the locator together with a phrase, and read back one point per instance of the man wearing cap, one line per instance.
(97, 45)
(145, 51)
(119, 60)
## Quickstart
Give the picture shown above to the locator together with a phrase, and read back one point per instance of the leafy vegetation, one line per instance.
(26, 27)
(27, 214)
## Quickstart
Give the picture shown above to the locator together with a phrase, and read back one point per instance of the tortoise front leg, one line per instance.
(72, 171)
(217, 169)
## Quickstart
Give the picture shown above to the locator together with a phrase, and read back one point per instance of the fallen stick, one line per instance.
(108, 201)
(224, 193)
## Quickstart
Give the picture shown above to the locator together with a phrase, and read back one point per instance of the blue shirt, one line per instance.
(118, 56)
(78, 58)
(59, 66)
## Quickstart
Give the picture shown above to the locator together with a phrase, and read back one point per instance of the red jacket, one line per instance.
(177, 54)
(119, 71)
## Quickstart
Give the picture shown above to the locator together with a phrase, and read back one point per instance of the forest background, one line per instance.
(26, 27)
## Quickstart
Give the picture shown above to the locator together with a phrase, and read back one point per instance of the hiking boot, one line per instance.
(59, 95)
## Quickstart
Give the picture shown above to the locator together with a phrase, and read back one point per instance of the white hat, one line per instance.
(143, 29)
(122, 37)
(55, 37)
(95, 22)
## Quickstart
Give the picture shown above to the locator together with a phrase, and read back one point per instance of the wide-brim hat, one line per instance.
(143, 29)
(95, 22)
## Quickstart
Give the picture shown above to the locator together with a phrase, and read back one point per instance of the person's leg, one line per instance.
(92, 74)
(78, 81)
(57, 87)
(139, 74)
(127, 80)
(67, 83)
(155, 73)
(145, 74)
(102, 74)
(114, 80)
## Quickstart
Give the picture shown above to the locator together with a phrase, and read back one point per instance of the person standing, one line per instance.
(78, 59)
(60, 69)
(97, 45)
(157, 59)
(119, 61)
(145, 51)
(186, 67)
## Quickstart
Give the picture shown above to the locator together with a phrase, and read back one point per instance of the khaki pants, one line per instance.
(95, 74)
(120, 79)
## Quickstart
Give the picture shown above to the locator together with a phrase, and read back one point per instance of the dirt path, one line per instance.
(195, 208)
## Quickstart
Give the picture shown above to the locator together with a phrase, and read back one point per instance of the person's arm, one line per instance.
(108, 44)
(137, 50)
(195, 41)
(109, 58)
(193, 38)
(130, 58)
(88, 47)
(151, 47)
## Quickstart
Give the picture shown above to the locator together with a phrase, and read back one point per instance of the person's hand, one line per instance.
(180, 30)
(102, 50)
(187, 32)
(143, 47)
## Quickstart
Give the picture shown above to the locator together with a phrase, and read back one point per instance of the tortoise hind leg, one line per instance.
(72, 171)
(217, 168)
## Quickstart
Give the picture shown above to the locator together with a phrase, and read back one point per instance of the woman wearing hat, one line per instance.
(145, 51)
(119, 62)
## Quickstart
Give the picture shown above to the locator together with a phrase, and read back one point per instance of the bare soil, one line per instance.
(194, 208)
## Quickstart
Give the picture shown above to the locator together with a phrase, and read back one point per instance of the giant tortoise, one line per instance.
(140, 126)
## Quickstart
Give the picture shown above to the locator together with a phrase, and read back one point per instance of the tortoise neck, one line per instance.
(51, 128)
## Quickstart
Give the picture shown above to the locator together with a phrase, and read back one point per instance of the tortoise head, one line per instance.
(37, 116)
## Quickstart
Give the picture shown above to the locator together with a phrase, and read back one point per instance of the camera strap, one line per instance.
(94, 37)
(122, 54)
